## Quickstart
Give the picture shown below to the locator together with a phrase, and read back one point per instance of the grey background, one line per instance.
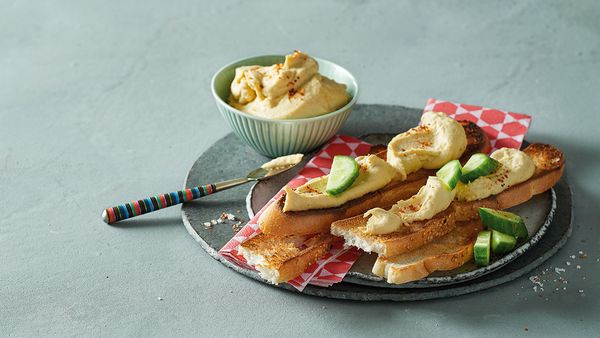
(102, 102)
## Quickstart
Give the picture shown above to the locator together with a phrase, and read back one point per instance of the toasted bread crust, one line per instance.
(286, 256)
(477, 140)
(445, 253)
(275, 221)
(545, 157)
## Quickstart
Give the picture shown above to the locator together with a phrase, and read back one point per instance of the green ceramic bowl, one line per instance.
(282, 137)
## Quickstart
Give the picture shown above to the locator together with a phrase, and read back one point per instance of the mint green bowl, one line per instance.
(275, 138)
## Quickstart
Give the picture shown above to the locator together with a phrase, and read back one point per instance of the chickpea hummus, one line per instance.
(515, 167)
(431, 199)
(290, 90)
(438, 140)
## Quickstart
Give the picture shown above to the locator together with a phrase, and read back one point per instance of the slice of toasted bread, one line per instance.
(445, 253)
(279, 259)
(410, 237)
(275, 221)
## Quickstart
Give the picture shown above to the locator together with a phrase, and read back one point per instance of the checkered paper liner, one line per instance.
(505, 129)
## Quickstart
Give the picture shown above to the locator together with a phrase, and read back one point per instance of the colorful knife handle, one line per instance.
(150, 204)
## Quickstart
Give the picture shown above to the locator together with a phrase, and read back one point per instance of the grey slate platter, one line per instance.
(230, 158)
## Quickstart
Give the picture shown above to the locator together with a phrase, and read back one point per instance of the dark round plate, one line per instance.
(551, 221)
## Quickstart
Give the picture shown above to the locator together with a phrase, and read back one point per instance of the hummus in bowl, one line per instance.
(289, 126)
(289, 90)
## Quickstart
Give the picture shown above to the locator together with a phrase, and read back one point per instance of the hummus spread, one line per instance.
(515, 167)
(290, 90)
(374, 174)
(282, 161)
(438, 140)
(431, 199)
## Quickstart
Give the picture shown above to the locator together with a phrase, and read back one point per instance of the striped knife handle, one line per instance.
(150, 204)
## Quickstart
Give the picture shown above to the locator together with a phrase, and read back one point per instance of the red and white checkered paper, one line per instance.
(505, 129)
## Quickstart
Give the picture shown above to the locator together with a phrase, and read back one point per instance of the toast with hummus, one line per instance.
(277, 254)
(386, 177)
(281, 258)
(421, 219)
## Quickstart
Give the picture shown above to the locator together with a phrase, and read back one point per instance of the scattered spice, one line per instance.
(291, 92)
(536, 280)
(554, 276)
(224, 217)
(424, 143)
(228, 216)
(236, 227)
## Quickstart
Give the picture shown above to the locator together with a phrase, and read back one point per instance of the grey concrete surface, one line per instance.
(102, 102)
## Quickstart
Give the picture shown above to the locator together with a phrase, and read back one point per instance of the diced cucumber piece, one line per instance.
(502, 243)
(344, 172)
(481, 249)
(449, 174)
(504, 221)
(478, 165)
